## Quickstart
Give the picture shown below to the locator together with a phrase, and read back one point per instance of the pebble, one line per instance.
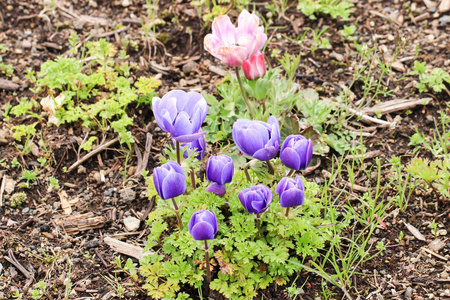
(444, 20)
(128, 195)
(108, 192)
(131, 223)
(67, 245)
(26, 44)
(44, 228)
(408, 292)
(81, 169)
(91, 244)
(26, 210)
(126, 3)
(189, 67)
(444, 275)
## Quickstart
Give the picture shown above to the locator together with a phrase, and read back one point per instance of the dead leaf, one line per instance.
(415, 232)
(9, 185)
(65, 202)
(436, 245)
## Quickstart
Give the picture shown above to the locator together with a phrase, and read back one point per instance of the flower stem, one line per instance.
(193, 178)
(246, 172)
(258, 225)
(208, 266)
(270, 167)
(244, 94)
(287, 212)
(177, 145)
(291, 172)
(175, 207)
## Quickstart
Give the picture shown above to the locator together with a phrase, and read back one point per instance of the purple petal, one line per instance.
(292, 197)
(189, 137)
(281, 185)
(202, 231)
(216, 188)
(265, 154)
(290, 159)
(173, 185)
(227, 173)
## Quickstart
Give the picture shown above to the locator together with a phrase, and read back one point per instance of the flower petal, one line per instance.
(216, 188)
(202, 231)
(173, 185)
(292, 197)
(290, 159)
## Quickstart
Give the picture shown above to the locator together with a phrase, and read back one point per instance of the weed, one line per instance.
(334, 8)
(38, 293)
(17, 199)
(434, 79)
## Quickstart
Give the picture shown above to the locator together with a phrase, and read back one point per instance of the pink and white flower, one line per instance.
(233, 45)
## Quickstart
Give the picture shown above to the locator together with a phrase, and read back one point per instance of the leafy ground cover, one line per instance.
(367, 81)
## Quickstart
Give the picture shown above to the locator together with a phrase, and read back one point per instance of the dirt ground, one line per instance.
(34, 32)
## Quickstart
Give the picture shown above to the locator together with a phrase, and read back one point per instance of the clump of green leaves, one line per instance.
(434, 79)
(8, 70)
(436, 174)
(244, 261)
(348, 31)
(38, 293)
(17, 199)
(96, 95)
(334, 8)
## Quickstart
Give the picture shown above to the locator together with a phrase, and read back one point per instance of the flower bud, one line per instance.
(255, 66)
(169, 180)
(291, 191)
(296, 152)
(203, 225)
(219, 170)
(256, 199)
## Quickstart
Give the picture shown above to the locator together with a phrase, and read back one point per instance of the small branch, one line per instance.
(12, 259)
(143, 161)
(92, 153)
(177, 145)
(369, 119)
(2, 189)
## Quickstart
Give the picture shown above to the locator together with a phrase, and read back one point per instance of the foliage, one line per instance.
(17, 199)
(246, 260)
(103, 80)
(434, 79)
(334, 8)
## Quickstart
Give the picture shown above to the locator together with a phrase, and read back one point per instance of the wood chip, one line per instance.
(436, 245)
(217, 70)
(395, 106)
(8, 85)
(415, 232)
(77, 223)
(64, 198)
(444, 6)
(125, 248)
(434, 254)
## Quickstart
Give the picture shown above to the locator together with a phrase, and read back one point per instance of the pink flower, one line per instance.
(233, 45)
(254, 67)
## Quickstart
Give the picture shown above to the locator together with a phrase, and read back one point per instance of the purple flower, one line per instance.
(203, 225)
(296, 152)
(219, 170)
(257, 139)
(181, 114)
(256, 199)
(169, 180)
(199, 146)
(291, 191)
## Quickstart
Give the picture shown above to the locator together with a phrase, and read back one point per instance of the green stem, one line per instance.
(193, 178)
(270, 167)
(258, 225)
(208, 266)
(246, 172)
(291, 172)
(177, 145)
(175, 207)
(244, 94)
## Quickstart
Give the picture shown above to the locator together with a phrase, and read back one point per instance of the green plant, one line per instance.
(115, 285)
(38, 293)
(347, 32)
(404, 184)
(69, 281)
(334, 8)
(17, 199)
(248, 261)
(433, 226)
(434, 79)
(29, 175)
(53, 183)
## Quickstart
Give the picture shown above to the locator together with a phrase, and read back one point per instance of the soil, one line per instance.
(36, 31)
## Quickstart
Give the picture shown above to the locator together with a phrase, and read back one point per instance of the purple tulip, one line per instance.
(257, 139)
(203, 225)
(291, 191)
(219, 170)
(256, 199)
(169, 180)
(296, 152)
(181, 114)
(199, 146)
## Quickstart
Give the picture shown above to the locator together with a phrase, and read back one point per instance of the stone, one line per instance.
(189, 67)
(128, 195)
(81, 169)
(26, 44)
(131, 223)
(444, 20)
(91, 244)
(408, 292)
